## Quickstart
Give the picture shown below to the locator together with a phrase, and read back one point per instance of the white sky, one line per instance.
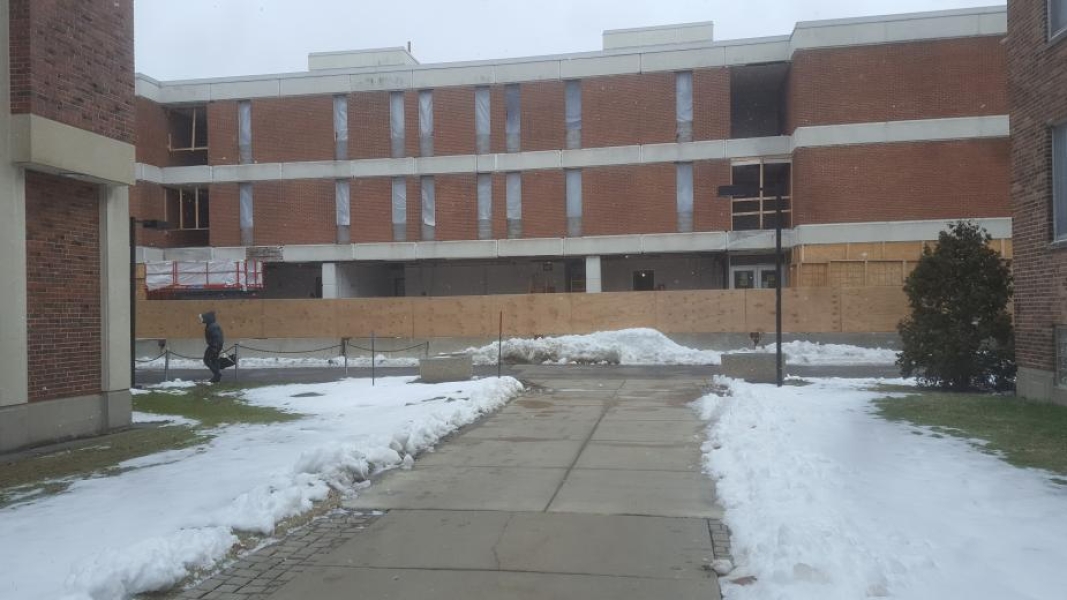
(214, 38)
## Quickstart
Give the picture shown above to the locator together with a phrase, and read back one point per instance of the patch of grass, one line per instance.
(892, 388)
(211, 405)
(1023, 433)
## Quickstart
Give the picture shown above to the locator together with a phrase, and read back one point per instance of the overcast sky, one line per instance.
(190, 39)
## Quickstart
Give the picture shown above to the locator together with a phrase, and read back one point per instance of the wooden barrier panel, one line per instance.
(804, 310)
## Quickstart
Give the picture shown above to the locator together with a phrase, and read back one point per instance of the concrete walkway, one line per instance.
(586, 489)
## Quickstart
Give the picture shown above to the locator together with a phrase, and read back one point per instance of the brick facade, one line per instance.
(457, 207)
(711, 104)
(72, 62)
(622, 200)
(63, 287)
(544, 213)
(225, 215)
(1038, 78)
(619, 110)
(900, 182)
(222, 133)
(151, 138)
(372, 210)
(453, 120)
(894, 82)
(368, 125)
(292, 129)
(294, 212)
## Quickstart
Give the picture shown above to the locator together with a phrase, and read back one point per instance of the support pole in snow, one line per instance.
(236, 362)
(500, 345)
(344, 353)
(166, 364)
(372, 361)
(778, 286)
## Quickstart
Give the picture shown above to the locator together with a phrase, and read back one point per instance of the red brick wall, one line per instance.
(630, 199)
(411, 123)
(152, 134)
(628, 109)
(368, 125)
(710, 212)
(1038, 78)
(544, 204)
(899, 182)
(225, 214)
(63, 287)
(72, 62)
(222, 133)
(711, 104)
(500, 206)
(371, 208)
(292, 129)
(148, 201)
(414, 229)
(892, 82)
(294, 212)
(542, 116)
(453, 120)
(457, 207)
(497, 117)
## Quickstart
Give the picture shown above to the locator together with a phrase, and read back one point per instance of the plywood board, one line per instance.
(700, 311)
(620, 310)
(872, 309)
(812, 310)
(872, 251)
(902, 250)
(825, 252)
(299, 319)
(385, 317)
(455, 316)
(759, 310)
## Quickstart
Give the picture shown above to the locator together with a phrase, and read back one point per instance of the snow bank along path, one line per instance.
(110, 538)
(626, 347)
(826, 501)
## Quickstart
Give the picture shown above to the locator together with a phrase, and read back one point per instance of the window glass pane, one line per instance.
(574, 193)
(1057, 17)
(769, 218)
(768, 279)
(512, 123)
(342, 198)
(776, 178)
(744, 280)
(514, 196)
(482, 118)
(746, 206)
(244, 130)
(246, 205)
(189, 209)
(1059, 179)
(573, 98)
(746, 223)
(748, 175)
(684, 105)
(400, 200)
(202, 211)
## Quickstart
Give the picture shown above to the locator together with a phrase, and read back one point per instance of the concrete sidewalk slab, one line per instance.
(559, 427)
(677, 432)
(640, 456)
(650, 412)
(476, 452)
(408, 584)
(652, 493)
(463, 488)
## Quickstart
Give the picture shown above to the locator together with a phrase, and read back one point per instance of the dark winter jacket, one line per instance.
(212, 331)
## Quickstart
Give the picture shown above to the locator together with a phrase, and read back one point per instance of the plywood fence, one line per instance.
(805, 310)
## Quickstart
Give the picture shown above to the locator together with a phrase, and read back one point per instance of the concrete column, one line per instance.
(329, 281)
(592, 275)
(115, 286)
(13, 363)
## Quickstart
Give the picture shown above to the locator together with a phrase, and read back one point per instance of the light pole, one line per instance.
(147, 224)
(747, 191)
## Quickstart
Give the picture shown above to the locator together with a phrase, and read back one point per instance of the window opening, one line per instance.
(758, 211)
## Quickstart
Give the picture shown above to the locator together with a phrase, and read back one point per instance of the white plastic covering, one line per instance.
(343, 198)
(246, 207)
(485, 196)
(400, 201)
(1059, 180)
(514, 196)
(574, 193)
(426, 123)
(244, 130)
(222, 274)
(684, 105)
(429, 202)
(685, 197)
(340, 118)
(482, 118)
(573, 99)
(396, 123)
(512, 112)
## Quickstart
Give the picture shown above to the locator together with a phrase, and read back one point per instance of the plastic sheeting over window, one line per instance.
(685, 197)
(574, 202)
(340, 126)
(482, 119)
(400, 208)
(396, 123)
(214, 275)
(485, 206)
(342, 196)
(573, 114)
(429, 208)
(246, 205)
(514, 204)
(244, 130)
(684, 105)
(1059, 180)
(426, 123)
(512, 116)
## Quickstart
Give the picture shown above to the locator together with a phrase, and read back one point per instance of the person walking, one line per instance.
(213, 337)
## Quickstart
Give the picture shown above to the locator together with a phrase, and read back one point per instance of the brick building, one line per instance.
(1037, 59)
(372, 175)
(66, 161)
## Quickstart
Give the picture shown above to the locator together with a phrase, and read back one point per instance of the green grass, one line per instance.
(52, 471)
(1023, 433)
(892, 388)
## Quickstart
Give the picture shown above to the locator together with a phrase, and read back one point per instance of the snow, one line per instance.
(289, 362)
(144, 418)
(177, 511)
(827, 501)
(813, 353)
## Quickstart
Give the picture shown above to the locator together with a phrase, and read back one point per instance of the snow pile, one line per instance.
(290, 362)
(145, 418)
(176, 511)
(814, 353)
(827, 501)
(623, 347)
(176, 384)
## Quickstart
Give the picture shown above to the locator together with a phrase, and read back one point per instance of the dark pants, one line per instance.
(211, 360)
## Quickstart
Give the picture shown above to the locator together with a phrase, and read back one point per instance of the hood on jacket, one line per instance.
(207, 318)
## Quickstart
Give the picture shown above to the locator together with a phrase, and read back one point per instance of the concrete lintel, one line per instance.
(383, 167)
(149, 173)
(387, 251)
(148, 88)
(527, 161)
(144, 254)
(923, 130)
(770, 50)
(709, 241)
(456, 250)
(45, 145)
(253, 172)
(184, 93)
(596, 157)
(530, 247)
(684, 152)
(241, 90)
(602, 245)
(187, 175)
(318, 252)
(184, 254)
(513, 72)
(892, 231)
(229, 253)
(761, 146)
(447, 76)
(329, 169)
(381, 81)
(320, 84)
(756, 240)
(599, 66)
(439, 165)
(679, 60)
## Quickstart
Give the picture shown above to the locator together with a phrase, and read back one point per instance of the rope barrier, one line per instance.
(380, 351)
(243, 347)
(148, 360)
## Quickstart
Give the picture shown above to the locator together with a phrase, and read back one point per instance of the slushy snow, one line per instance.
(623, 347)
(177, 511)
(826, 501)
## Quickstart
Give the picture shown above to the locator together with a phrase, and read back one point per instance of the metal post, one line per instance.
(778, 285)
(133, 302)
(500, 345)
(166, 364)
(344, 353)
(237, 362)
(373, 374)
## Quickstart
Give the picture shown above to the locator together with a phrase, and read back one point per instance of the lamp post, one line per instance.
(147, 224)
(747, 191)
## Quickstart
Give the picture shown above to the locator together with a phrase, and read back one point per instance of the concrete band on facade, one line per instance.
(676, 57)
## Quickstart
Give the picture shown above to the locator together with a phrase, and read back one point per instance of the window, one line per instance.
(187, 208)
(244, 130)
(753, 276)
(187, 135)
(573, 178)
(1057, 17)
(485, 206)
(482, 119)
(247, 214)
(684, 190)
(758, 211)
(400, 209)
(426, 123)
(573, 113)
(429, 208)
(340, 127)
(644, 281)
(512, 109)
(513, 202)
(683, 84)
(1059, 181)
(396, 123)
